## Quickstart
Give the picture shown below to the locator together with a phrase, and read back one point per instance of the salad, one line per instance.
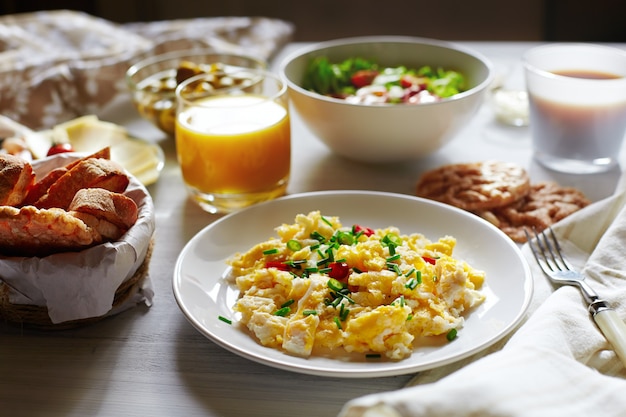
(362, 81)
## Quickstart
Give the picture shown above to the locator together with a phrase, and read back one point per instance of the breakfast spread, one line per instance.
(70, 208)
(501, 193)
(362, 81)
(319, 287)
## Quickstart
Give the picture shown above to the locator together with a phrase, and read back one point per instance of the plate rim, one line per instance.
(364, 372)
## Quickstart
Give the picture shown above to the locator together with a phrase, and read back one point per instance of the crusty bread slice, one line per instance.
(29, 231)
(113, 207)
(16, 177)
(40, 188)
(88, 173)
(106, 229)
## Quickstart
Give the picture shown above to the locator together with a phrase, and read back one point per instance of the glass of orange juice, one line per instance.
(233, 140)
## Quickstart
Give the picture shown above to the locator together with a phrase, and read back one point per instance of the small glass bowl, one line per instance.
(152, 81)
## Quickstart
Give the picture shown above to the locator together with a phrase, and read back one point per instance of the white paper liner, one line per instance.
(79, 285)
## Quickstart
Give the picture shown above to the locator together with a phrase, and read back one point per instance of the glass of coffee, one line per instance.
(577, 99)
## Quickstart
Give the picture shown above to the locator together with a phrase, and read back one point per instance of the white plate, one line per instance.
(203, 295)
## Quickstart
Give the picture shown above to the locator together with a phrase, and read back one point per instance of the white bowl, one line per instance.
(385, 133)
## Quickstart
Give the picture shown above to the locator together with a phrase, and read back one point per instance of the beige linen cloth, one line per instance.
(558, 362)
(59, 65)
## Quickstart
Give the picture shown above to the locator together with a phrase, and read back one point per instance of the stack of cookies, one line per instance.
(501, 193)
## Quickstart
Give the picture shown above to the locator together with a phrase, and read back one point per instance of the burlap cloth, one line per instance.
(59, 65)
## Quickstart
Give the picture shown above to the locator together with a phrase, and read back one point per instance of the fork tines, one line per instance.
(547, 251)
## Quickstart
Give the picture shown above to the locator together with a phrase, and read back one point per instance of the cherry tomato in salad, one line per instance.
(363, 78)
(60, 148)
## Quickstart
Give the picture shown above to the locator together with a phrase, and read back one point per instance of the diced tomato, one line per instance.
(431, 261)
(339, 270)
(365, 230)
(363, 78)
(277, 264)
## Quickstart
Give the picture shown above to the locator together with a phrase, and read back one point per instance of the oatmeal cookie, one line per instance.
(545, 204)
(475, 186)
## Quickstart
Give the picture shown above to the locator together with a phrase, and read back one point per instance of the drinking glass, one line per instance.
(233, 142)
(577, 98)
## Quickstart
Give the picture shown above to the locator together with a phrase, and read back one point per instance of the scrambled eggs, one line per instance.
(321, 286)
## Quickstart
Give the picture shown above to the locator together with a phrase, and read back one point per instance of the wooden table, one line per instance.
(152, 362)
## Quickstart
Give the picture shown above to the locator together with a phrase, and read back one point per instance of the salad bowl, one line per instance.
(393, 130)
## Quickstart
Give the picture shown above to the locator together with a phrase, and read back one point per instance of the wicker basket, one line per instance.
(36, 317)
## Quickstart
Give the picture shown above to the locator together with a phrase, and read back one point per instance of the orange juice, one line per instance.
(237, 144)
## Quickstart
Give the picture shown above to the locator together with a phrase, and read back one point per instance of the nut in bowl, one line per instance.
(393, 130)
(153, 81)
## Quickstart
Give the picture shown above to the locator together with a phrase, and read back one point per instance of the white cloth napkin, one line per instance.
(557, 364)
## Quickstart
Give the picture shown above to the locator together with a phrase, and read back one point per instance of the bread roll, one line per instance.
(16, 177)
(113, 207)
(88, 173)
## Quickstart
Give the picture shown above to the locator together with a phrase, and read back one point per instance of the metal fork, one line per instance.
(547, 251)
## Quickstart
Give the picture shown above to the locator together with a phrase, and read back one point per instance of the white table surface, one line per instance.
(152, 362)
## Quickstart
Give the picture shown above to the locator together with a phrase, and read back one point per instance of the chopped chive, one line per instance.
(317, 236)
(225, 320)
(394, 268)
(418, 277)
(311, 270)
(325, 270)
(294, 245)
(451, 335)
(295, 263)
(282, 312)
(409, 317)
(393, 258)
(372, 355)
(408, 274)
(398, 301)
(350, 300)
(293, 274)
(337, 322)
(270, 251)
(411, 284)
(322, 262)
(309, 312)
(343, 313)
(288, 303)
(357, 270)
(325, 220)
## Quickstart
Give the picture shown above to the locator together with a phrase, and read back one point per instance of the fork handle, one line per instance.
(613, 329)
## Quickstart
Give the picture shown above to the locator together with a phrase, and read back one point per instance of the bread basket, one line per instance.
(70, 289)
